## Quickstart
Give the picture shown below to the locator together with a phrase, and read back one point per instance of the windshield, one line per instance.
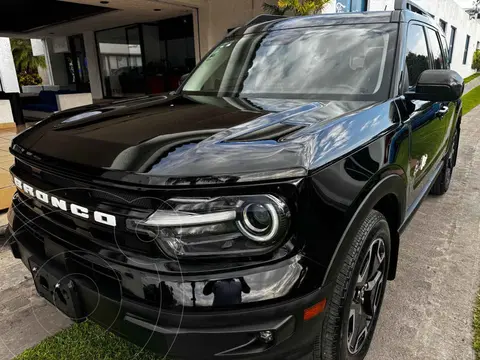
(346, 61)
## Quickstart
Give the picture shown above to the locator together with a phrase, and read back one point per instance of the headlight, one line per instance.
(223, 226)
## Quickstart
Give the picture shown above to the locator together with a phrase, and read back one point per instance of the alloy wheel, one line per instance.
(367, 295)
(450, 161)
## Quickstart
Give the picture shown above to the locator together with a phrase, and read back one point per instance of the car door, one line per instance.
(426, 119)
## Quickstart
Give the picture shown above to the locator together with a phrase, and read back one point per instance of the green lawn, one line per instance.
(471, 77)
(476, 328)
(471, 100)
(86, 341)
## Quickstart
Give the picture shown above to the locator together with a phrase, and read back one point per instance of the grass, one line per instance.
(471, 77)
(476, 328)
(471, 100)
(86, 341)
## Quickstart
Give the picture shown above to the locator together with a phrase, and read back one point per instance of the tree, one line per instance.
(476, 60)
(297, 7)
(274, 9)
(475, 10)
(23, 57)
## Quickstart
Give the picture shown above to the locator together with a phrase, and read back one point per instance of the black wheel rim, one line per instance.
(367, 295)
(450, 161)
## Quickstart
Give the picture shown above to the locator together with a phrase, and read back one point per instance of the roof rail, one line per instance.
(264, 18)
(409, 5)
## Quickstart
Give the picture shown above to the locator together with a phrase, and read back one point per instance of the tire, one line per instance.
(336, 342)
(443, 181)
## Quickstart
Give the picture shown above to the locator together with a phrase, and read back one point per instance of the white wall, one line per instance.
(8, 74)
(6, 115)
(217, 16)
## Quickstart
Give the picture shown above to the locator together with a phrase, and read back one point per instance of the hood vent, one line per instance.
(274, 132)
(174, 150)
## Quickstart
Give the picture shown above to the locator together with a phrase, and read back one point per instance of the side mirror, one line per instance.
(183, 78)
(438, 86)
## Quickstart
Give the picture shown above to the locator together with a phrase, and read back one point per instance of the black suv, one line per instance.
(255, 213)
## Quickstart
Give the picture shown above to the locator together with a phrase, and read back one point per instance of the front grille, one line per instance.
(77, 190)
(37, 213)
(121, 204)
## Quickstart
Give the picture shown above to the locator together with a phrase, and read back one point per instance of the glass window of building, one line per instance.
(453, 32)
(351, 5)
(443, 25)
(465, 52)
(146, 58)
(121, 61)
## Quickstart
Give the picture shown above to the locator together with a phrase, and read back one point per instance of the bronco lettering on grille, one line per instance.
(77, 210)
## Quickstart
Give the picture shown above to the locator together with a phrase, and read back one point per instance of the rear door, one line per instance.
(427, 119)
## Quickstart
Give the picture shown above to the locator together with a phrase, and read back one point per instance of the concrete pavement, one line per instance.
(427, 313)
(25, 318)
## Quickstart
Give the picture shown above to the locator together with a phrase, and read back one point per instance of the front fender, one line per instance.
(391, 183)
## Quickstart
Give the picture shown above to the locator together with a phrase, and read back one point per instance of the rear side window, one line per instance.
(417, 54)
(436, 48)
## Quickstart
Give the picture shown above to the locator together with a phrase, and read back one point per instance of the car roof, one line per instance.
(294, 22)
(256, 25)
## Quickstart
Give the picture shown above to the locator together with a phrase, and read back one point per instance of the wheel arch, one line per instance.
(390, 207)
(387, 196)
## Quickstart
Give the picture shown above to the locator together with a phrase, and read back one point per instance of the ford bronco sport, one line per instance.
(256, 212)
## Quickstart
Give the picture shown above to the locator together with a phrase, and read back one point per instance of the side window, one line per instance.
(436, 48)
(417, 54)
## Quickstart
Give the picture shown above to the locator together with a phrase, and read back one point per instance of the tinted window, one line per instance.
(435, 47)
(465, 52)
(417, 54)
(452, 43)
(335, 61)
(443, 25)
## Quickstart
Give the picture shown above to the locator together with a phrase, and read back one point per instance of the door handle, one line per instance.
(441, 113)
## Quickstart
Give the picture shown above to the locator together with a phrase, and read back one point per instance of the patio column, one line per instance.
(8, 83)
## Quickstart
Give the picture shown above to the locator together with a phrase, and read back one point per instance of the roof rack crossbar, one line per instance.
(264, 18)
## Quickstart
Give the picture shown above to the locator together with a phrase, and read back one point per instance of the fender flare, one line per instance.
(391, 184)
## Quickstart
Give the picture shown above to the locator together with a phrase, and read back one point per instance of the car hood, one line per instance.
(179, 137)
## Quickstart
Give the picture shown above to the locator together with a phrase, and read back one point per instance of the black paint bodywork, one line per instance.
(333, 160)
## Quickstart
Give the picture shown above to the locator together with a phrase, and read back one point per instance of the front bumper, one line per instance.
(177, 332)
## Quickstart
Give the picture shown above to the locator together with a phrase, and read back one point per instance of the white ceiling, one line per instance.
(128, 12)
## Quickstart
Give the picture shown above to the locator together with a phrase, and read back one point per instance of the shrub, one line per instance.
(476, 60)
(29, 79)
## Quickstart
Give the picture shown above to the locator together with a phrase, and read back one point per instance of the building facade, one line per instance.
(123, 48)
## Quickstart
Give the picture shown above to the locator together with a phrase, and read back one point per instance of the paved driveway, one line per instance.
(427, 310)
